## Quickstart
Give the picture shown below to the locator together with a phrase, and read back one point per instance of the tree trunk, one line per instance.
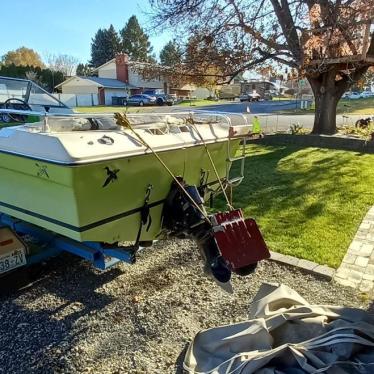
(326, 95)
(325, 113)
(328, 88)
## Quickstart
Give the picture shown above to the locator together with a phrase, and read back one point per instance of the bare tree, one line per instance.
(329, 42)
(64, 63)
(33, 76)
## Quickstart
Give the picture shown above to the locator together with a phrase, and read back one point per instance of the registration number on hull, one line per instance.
(12, 260)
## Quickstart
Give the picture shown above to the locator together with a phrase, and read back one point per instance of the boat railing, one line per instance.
(224, 118)
(52, 114)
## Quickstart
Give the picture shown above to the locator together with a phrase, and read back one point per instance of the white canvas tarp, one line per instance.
(285, 334)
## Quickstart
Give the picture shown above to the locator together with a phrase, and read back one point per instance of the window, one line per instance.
(38, 96)
(10, 88)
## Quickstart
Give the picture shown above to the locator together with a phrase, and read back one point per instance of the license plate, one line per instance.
(12, 260)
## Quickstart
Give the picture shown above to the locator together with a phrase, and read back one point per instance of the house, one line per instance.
(112, 80)
(298, 87)
(119, 78)
(260, 86)
(104, 88)
(230, 90)
(236, 88)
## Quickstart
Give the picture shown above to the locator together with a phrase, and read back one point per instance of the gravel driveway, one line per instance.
(132, 319)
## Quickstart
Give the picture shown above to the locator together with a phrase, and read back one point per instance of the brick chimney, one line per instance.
(122, 67)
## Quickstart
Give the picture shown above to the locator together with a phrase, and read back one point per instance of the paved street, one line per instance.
(254, 107)
(270, 121)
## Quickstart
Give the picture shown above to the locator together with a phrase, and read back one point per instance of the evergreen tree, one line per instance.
(47, 78)
(171, 54)
(105, 45)
(83, 70)
(135, 41)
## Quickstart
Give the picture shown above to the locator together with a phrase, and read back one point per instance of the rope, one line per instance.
(123, 121)
(212, 163)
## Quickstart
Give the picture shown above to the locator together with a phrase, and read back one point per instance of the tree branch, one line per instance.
(251, 31)
(287, 24)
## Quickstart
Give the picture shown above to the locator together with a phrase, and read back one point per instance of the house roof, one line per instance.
(109, 83)
(101, 82)
(104, 64)
(129, 62)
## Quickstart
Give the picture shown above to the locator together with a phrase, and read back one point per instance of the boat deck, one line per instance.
(77, 139)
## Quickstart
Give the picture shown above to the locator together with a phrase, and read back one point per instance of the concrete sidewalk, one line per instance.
(357, 267)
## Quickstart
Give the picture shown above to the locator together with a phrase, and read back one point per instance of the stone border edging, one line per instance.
(357, 267)
(319, 141)
(306, 265)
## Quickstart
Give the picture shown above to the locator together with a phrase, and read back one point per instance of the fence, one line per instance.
(73, 100)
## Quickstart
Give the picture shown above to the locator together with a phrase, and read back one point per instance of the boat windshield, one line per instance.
(26, 91)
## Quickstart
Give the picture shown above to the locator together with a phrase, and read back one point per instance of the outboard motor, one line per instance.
(227, 242)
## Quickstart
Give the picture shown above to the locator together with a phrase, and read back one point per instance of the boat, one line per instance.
(109, 179)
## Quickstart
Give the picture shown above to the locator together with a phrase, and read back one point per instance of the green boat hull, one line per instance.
(85, 203)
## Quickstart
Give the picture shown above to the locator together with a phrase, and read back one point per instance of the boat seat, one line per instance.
(75, 124)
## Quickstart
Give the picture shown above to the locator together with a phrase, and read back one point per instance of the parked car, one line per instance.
(162, 98)
(269, 95)
(254, 96)
(141, 100)
(5, 118)
(354, 96)
(366, 94)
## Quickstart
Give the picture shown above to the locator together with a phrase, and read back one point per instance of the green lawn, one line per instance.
(283, 98)
(308, 202)
(110, 109)
(359, 106)
(2, 124)
(135, 109)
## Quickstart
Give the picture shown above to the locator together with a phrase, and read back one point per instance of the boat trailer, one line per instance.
(227, 242)
(51, 244)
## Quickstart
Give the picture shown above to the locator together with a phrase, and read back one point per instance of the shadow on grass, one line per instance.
(308, 201)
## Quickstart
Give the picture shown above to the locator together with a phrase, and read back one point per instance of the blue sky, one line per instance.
(67, 26)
